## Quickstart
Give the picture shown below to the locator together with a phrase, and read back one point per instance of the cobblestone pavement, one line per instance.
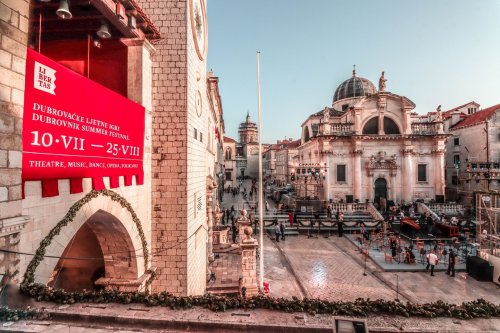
(328, 272)
(333, 269)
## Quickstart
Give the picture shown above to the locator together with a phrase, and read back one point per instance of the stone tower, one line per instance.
(248, 131)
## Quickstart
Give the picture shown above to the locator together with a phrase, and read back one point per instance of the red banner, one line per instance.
(75, 128)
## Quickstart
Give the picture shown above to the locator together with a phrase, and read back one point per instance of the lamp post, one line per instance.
(457, 168)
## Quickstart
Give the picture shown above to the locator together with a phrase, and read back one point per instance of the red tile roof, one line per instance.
(229, 140)
(477, 117)
(294, 144)
(447, 114)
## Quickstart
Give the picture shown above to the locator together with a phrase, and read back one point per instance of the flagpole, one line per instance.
(261, 189)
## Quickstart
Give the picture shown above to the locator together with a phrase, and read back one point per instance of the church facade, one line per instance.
(369, 145)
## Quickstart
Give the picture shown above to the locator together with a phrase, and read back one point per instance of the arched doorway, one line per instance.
(380, 189)
(100, 250)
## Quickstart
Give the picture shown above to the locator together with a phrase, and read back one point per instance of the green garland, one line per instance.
(361, 307)
(8, 314)
(29, 275)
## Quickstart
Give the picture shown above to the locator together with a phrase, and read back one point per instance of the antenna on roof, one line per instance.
(354, 70)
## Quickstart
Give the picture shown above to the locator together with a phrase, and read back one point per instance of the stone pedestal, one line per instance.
(249, 266)
(219, 237)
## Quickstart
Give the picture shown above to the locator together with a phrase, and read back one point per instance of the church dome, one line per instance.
(354, 87)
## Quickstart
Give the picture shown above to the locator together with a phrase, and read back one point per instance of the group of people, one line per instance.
(433, 260)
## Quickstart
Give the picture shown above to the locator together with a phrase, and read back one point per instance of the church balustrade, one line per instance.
(425, 128)
(341, 129)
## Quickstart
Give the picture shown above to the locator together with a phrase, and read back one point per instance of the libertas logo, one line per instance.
(44, 78)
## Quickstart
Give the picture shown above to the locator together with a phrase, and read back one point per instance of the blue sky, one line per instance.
(433, 51)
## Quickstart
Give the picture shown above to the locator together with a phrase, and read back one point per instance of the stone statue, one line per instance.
(439, 114)
(243, 214)
(326, 115)
(381, 82)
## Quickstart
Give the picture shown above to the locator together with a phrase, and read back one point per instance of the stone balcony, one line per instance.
(426, 128)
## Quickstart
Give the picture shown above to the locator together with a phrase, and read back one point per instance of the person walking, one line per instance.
(228, 215)
(451, 264)
(432, 261)
(290, 218)
(282, 231)
(340, 226)
(277, 232)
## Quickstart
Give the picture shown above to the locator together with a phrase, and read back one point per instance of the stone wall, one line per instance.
(174, 220)
(13, 40)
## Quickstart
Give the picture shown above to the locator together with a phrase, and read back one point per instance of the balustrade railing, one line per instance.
(425, 128)
(341, 129)
(447, 207)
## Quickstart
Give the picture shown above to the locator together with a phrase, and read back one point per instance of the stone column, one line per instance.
(439, 171)
(408, 175)
(356, 173)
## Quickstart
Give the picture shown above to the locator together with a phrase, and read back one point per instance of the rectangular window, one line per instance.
(195, 134)
(341, 174)
(228, 175)
(201, 137)
(454, 180)
(422, 172)
(456, 141)
(456, 159)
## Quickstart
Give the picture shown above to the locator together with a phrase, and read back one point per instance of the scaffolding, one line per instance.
(487, 222)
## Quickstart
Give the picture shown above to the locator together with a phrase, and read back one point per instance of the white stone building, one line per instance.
(284, 161)
(369, 145)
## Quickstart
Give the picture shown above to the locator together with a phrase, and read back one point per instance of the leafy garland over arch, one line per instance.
(29, 275)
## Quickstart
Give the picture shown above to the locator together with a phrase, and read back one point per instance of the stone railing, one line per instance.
(425, 128)
(341, 129)
(447, 208)
(423, 209)
(374, 212)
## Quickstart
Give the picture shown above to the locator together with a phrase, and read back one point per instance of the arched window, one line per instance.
(390, 126)
(307, 135)
(229, 154)
(371, 126)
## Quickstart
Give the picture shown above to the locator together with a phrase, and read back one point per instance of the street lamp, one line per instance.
(457, 168)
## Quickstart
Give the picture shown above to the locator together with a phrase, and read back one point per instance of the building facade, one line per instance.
(284, 161)
(158, 64)
(370, 145)
(473, 154)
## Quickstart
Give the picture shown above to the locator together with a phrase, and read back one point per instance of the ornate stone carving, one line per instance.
(381, 162)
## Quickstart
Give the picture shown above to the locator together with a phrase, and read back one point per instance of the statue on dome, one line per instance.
(381, 82)
(439, 114)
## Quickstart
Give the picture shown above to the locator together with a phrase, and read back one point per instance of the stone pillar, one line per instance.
(439, 183)
(14, 16)
(169, 158)
(356, 173)
(408, 175)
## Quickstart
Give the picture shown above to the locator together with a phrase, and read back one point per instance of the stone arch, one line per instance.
(391, 126)
(101, 236)
(371, 126)
(109, 207)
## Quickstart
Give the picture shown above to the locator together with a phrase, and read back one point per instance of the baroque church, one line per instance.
(369, 145)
